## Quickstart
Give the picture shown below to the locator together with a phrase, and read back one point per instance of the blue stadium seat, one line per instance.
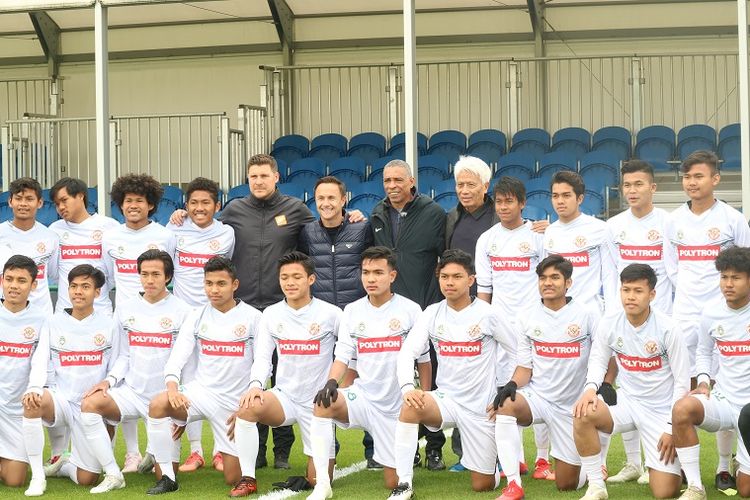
(116, 213)
(364, 202)
(312, 206)
(538, 193)
(573, 140)
(46, 196)
(436, 162)
(283, 167)
(449, 144)
(314, 165)
(47, 214)
(487, 144)
(694, 138)
(239, 191)
(173, 194)
(305, 179)
(368, 145)
(164, 211)
(593, 203)
(290, 148)
(376, 169)
(293, 189)
(348, 177)
(656, 142)
(552, 163)
(352, 163)
(4, 197)
(603, 164)
(429, 178)
(534, 212)
(519, 165)
(534, 141)
(729, 147)
(369, 187)
(6, 213)
(328, 147)
(448, 201)
(92, 205)
(398, 147)
(614, 140)
(446, 186)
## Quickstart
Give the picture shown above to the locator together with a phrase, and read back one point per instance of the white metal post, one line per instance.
(744, 103)
(513, 85)
(101, 77)
(410, 87)
(225, 154)
(635, 89)
(5, 152)
(393, 108)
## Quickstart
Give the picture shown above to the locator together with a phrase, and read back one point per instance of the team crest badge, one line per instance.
(99, 340)
(351, 396)
(394, 325)
(29, 333)
(580, 241)
(493, 247)
(279, 328)
(361, 327)
(152, 246)
(550, 244)
(61, 340)
(537, 331)
(214, 245)
(720, 330)
(181, 241)
(573, 330)
(96, 235)
(653, 235)
(314, 329)
(474, 331)
(130, 320)
(441, 329)
(622, 235)
(524, 247)
(714, 233)
(680, 234)
(65, 236)
(120, 250)
(165, 323)
(41, 247)
(204, 327)
(619, 343)
(651, 347)
(239, 331)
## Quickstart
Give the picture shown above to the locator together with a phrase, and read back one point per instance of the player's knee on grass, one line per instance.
(664, 484)
(390, 478)
(743, 485)
(232, 471)
(482, 482)
(87, 478)
(13, 473)
(566, 476)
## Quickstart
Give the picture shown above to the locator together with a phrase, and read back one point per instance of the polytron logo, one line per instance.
(638, 364)
(705, 252)
(299, 347)
(126, 266)
(578, 259)
(81, 358)
(68, 252)
(510, 263)
(558, 349)
(139, 339)
(193, 259)
(379, 344)
(734, 348)
(640, 253)
(12, 350)
(216, 348)
(41, 270)
(460, 348)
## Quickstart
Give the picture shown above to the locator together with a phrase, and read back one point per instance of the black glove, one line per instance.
(294, 483)
(328, 394)
(504, 392)
(608, 393)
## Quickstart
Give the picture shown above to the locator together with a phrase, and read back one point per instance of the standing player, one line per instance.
(82, 348)
(724, 326)
(199, 238)
(372, 331)
(221, 335)
(696, 232)
(466, 334)
(302, 329)
(553, 349)
(653, 374)
(22, 341)
(147, 326)
(25, 236)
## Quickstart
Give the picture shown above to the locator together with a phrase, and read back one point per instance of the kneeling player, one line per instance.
(372, 331)
(466, 334)
(303, 331)
(654, 372)
(723, 326)
(553, 350)
(220, 335)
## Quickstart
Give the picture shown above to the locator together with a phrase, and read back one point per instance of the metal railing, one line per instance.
(41, 96)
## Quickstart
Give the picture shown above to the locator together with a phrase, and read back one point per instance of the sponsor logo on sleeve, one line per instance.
(510, 263)
(734, 348)
(560, 350)
(76, 252)
(143, 339)
(299, 347)
(460, 349)
(41, 271)
(81, 358)
(186, 259)
(640, 253)
(13, 350)
(378, 344)
(639, 364)
(217, 348)
(704, 252)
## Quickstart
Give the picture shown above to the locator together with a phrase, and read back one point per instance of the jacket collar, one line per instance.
(267, 202)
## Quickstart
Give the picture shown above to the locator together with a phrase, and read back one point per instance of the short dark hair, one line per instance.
(22, 262)
(220, 263)
(701, 157)
(510, 186)
(298, 257)
(736, 258)
(632, 166)
(571, 178)
(155, 254)
(263, 159)
(635, 272)
(329, 179)
(73, 186)
(379, 252)
(557, 261)
(23, 183)
(456, 256)
(139, 184)
(87, 271)
(203, 184)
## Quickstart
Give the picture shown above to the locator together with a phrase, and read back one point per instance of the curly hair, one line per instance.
(139, 184)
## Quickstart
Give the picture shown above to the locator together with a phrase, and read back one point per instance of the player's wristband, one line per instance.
(112, 380)
(253, 382)
(591, 385)
(703, 378)
(406, 388)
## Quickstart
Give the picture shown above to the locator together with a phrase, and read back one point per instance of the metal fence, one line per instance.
(41, 96)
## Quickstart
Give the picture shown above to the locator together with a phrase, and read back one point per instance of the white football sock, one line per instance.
(321, 431)
(33, 438)
(690, 459)
(541, 438)
(246, 441)
(194, 432)
(160, 435)
(130, 435)
(507, 441)
(98, 441)
(405, 447)
(593, 467)
(724, 445)
(631, 441)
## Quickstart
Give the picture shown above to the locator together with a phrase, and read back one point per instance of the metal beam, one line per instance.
(48, 33)
(101, 81)
(536, 14)
(744, 104)
(283, 19)
(410, 88)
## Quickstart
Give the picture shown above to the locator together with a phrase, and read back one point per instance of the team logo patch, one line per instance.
(550, 244)
(714, 233)
(651, 347)
(524, 247)
(120, 250)
(361, 327)
(279, 328)
(653, 235)
(96, 235)
(214, 245)
(152, 246)
(573, 330)
(537, 331)
(61, 340)
(580, 241)
(680, 234)
(314, 329)
(474, 331)
(394, 325)
(622, 235)
(29, 333)
(351, 396)
(239, 330)
(747, 328)
(99, 340)
(165, 323)
(720, 330)
(441, 329)
(65, 236)
(204, 328)
(181, 241)
(619, 343)
(493, 247)
(41, 247)
(130, 320)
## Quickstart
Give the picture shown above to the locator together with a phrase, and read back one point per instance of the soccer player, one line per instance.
(147, 326)
(553, 349)
(467, 333)
(723, 327)
(653, 373)
(25, 236)
(579, 238)
(221, 335)
(302, 329)
(696, 232)
(372, 331)
(199, 238)
(22, 345)
(83, 344)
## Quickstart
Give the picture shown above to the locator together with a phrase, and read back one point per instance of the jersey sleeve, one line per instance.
(741, 231)
(416, 343)
(525, 354)
(679, 361)
(183, 349)
(230, 237)
(669, 252)
(40, 362)
(507, 336)
(171, 244)
(705, 348)
(264, 347)
(122, 361)
(109, 265)
(599, 357)
(344, 350)
(53, 265)
(482, 264)
(610, 280)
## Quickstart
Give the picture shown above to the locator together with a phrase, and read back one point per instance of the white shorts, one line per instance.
(365, 415)
(68, 414)
(302, 415)
(560, 423)
(12, 445)
(477, 433)
(628, 415)
(721, 415)
(205, 406)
